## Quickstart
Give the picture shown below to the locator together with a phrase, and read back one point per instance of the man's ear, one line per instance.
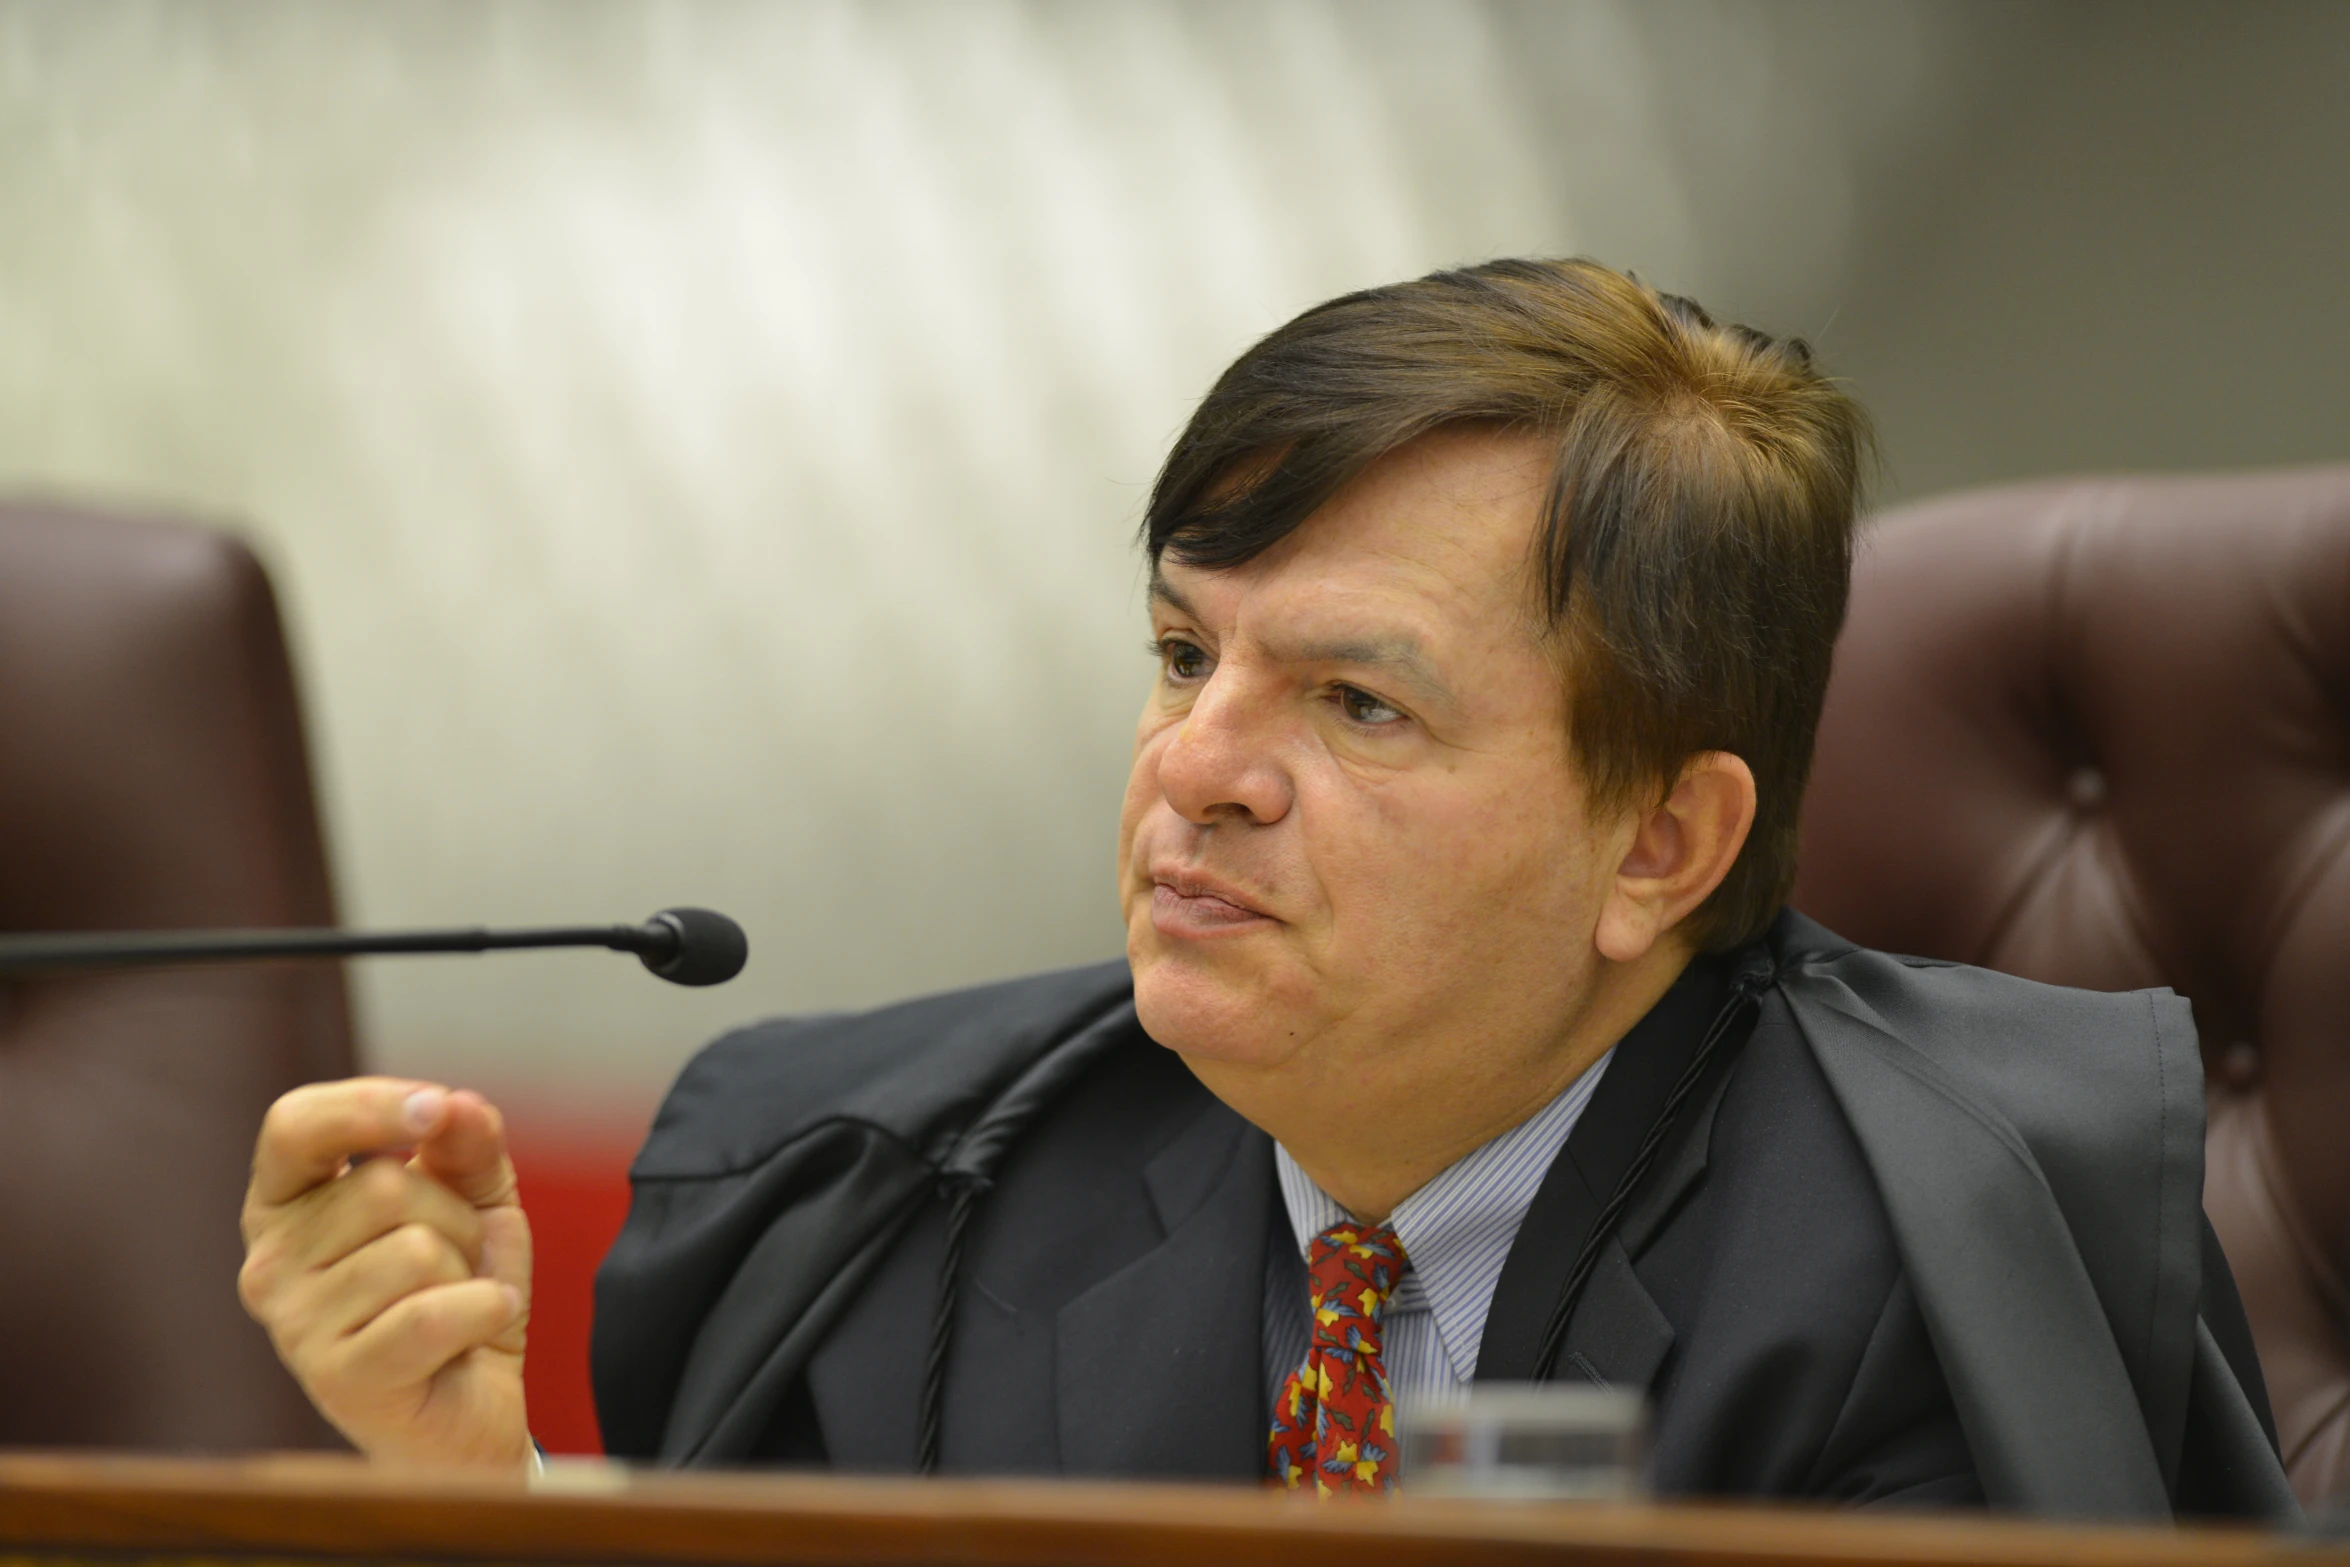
(1680, 850)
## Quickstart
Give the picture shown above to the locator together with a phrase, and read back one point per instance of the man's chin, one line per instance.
(1213, 1004)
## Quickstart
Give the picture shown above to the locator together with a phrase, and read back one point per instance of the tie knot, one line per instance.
(1352, 1269)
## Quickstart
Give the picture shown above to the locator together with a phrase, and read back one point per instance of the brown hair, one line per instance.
(1695, 544)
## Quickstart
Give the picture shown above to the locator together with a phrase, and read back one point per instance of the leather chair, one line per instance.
(2097, 732)
(152, 774)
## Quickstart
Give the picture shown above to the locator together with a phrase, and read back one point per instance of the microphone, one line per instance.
(683, 946)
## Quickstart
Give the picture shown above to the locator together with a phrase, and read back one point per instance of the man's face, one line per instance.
(1354, 849)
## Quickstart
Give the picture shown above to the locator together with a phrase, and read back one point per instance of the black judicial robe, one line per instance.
(1930, 1234)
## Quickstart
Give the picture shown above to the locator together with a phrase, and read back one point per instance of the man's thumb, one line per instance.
(467, 1153)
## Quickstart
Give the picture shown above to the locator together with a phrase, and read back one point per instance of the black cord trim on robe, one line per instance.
(1754, 977)
(962, 1194)
(966, 1174)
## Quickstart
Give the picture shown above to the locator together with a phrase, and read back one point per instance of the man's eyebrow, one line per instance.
(1164, 592)
(1401, 656)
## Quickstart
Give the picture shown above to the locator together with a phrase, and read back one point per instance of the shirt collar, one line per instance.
(1457, 1230)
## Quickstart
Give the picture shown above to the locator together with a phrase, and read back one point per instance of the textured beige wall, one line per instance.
(700, 443)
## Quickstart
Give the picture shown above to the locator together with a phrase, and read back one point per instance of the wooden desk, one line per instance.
(59, 1509)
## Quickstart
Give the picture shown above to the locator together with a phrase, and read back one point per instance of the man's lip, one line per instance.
(1186, 883)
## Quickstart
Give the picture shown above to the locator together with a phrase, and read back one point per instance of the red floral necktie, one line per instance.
(1335, 1420)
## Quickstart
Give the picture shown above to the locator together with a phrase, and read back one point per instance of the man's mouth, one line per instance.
(1186, 904)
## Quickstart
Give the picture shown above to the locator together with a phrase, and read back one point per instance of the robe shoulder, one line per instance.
(909, 1070)
(2082, 1077)
(2061, 1131)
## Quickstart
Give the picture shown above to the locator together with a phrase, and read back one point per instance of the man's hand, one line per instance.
(396, 1289)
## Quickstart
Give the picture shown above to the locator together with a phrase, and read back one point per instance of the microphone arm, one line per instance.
(683, 946)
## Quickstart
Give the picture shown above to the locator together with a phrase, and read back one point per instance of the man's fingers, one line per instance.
(329, 1223)
(467, 1152)
(378, 1197)
(310, 1133)
(414, 1337)
(363, 1286)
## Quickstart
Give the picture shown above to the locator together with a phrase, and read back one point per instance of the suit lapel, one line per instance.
(1618, 1334)
(1157, 1366)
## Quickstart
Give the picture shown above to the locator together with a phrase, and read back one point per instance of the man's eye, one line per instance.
(1182, 660)
(1364, 708)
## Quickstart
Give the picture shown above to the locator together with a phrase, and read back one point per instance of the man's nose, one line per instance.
(1222, 762)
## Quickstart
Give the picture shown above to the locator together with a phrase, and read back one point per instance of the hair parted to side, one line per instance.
(1695, 546)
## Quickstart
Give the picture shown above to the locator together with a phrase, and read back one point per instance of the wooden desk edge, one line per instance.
(315, 1505)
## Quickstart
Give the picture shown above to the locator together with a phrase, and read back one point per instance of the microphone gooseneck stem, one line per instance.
(130, 949)
(684, 946)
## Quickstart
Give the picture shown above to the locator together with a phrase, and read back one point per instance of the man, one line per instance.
(1461, 1038)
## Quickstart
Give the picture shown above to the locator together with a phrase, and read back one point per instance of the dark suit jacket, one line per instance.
(772, 1296)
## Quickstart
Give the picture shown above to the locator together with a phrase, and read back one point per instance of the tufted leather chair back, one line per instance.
(152, 774)
(2097, 732)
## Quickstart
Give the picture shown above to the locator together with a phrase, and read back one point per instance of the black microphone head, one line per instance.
(705, 947)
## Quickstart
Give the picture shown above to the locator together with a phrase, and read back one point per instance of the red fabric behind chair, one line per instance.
(152, 774)
(574, 1179)
(2097, 732)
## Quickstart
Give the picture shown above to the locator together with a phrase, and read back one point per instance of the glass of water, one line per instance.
(1536, 1440)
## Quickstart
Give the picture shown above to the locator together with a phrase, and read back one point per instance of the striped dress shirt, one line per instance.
(1455, 1231)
